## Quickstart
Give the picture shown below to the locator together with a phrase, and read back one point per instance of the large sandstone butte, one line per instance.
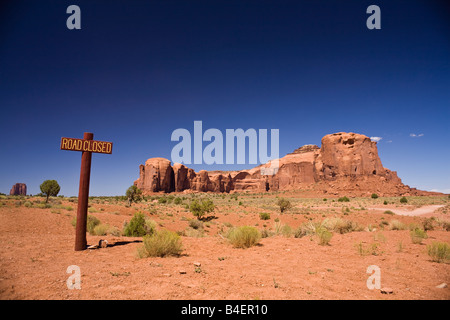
(19, 189)
(346, 163)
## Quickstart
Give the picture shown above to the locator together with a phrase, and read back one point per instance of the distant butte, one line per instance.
(346, 163)
(19, 189)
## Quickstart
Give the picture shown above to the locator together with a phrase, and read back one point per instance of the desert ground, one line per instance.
(38, 247)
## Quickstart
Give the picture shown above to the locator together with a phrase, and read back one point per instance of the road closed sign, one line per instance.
(73, 144)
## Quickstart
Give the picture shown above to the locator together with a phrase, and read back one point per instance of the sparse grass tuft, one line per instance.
(92, 222)
(324, 236)
(100, 230)
(244, 237)
(196, 224)
(160, 244)
(371, 249)
(439, 252)
(341, 226)
(397, 225)
(417, 235)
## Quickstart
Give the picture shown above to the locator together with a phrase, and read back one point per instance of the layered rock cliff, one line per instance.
(345, 163)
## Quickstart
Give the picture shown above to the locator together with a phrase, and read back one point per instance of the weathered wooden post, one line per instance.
(86, 145)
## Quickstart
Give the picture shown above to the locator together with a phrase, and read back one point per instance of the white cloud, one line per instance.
(441, 190)
(416, 135)
(376, 139)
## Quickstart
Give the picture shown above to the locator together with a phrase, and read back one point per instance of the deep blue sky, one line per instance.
(137, 70)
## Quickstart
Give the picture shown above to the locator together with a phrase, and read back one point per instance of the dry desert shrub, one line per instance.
(417, 235)
(324, 236)
(397, 225)
(195, 224)
(193, 233)
(439, 252)
(100, 230)
(264, 216)
(318, 229)
(284, 204)
(244, 236)
(160, 244)
(341, 226)
(370, 249)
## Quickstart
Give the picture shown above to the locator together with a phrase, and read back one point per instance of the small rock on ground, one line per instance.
(386, 290)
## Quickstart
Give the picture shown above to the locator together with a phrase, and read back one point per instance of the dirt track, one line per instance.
(425, 210)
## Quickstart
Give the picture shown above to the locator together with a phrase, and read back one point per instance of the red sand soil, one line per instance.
(38, 246)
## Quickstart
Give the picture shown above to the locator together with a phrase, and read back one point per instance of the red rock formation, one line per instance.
(157, 175)
(19, 189)
(345, 163)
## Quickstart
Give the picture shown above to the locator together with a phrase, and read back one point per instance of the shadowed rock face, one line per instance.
(346, 162)
(19, 189)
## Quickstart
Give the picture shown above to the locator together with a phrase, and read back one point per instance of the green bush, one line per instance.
(403, 200)
(385, 202)
(417, 235)
(389, 212)
(439, 251)
(284, 204)
(199, 209)
(162, 200)
(139, 226)
(344, 199)
(264, 216)
(244, 236)
(374, 196)
(160, 244)
(177, 201)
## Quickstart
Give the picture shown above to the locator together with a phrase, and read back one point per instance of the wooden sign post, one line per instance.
(86, 145)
